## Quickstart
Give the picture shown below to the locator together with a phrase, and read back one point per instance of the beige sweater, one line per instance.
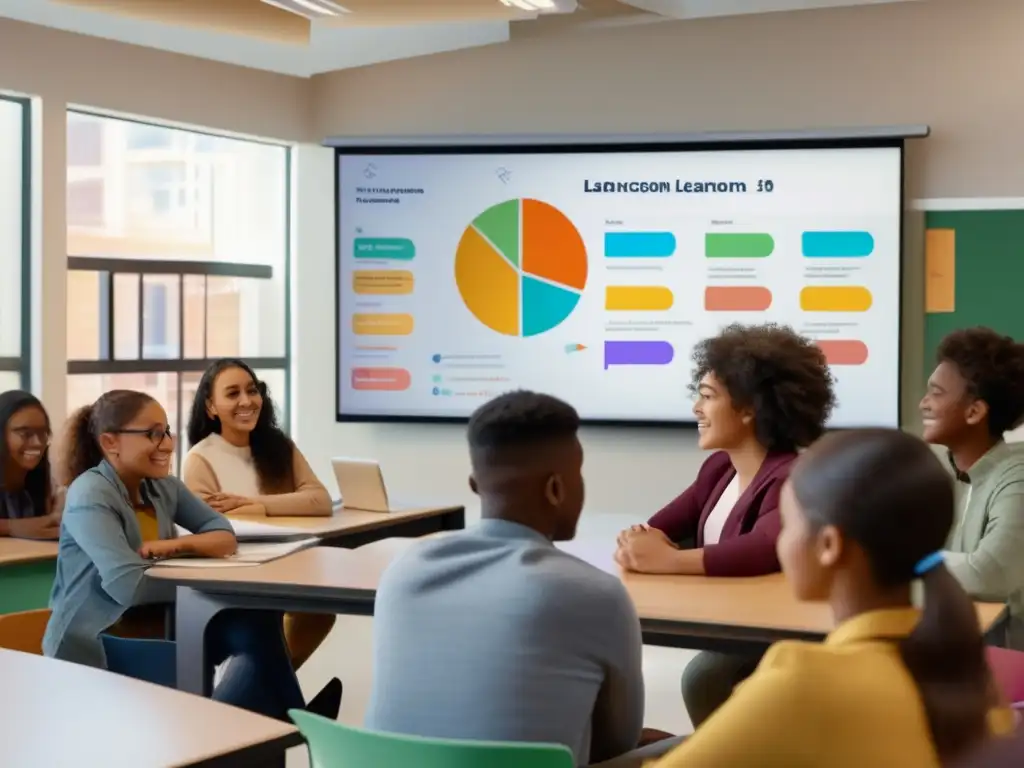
(215, 466)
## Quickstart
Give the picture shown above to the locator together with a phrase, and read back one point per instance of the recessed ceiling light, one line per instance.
(311, 9)
(541, 6)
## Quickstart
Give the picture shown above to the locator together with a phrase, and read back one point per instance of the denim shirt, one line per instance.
(100, 574)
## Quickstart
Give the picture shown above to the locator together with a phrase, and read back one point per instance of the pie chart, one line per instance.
(521, 267)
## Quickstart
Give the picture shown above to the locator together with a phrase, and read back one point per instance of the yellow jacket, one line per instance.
(846, 703)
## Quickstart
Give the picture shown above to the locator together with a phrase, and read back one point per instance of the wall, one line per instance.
(946, 63)
(61, 69)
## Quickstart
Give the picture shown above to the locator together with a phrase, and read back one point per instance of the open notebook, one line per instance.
(248, 554)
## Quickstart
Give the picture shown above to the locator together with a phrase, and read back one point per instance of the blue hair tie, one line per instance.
(928, 562)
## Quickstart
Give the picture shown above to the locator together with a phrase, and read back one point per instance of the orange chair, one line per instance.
(24, 631)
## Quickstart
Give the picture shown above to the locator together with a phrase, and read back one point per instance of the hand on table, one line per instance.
(46, 527)
(228, 502)
(623, 537)
(646, 551)
(163, 549)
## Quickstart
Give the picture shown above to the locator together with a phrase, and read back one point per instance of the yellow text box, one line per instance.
(846, 298)
(382, 324)
(940, 270)
(382, 282)
(620, 298)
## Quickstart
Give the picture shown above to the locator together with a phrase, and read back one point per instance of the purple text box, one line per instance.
(637, 353)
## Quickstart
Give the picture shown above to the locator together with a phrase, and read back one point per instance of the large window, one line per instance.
(177, 255)
(14, 245)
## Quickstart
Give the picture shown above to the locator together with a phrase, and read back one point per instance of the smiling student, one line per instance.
(763, 392)
(243, 463)
(29, 508)
(121, 514)
(975, 394)
(891, 685)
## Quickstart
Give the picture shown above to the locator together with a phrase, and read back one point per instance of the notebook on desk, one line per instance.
(362, 487)
(247, 555)
(254, 530)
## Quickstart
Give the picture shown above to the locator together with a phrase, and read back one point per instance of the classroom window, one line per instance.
(178, 256)
(15, 321)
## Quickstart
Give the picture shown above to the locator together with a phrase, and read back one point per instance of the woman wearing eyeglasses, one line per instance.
(29, 509)
(121, 514)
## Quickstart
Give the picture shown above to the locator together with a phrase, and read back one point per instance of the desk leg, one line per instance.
(194, 613)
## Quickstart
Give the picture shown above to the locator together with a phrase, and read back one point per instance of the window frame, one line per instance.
(181, 364)
(22, 364)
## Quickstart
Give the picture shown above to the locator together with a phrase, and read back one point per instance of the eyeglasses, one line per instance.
(30, 434)
(156, 435)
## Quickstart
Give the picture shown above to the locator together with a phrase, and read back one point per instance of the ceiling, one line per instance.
(259, 35)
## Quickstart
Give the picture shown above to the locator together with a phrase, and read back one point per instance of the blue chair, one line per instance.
(153, 661)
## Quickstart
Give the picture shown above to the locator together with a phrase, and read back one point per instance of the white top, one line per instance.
(233, 465)
(716, 520)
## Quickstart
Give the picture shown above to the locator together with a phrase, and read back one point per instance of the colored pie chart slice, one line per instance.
(488, 284)
(545, 306)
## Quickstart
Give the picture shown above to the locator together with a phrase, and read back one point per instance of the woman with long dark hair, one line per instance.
(864, 515)
(241, 462)
(29, 508)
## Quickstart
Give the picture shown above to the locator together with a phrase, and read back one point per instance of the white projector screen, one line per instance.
(590, 274)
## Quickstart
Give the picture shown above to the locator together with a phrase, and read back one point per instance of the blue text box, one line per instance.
(837, 245)
(639, 245)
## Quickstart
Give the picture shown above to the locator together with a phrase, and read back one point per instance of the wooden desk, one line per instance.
(27, 569)
(352, 528)
(729, 615)
(62, 715)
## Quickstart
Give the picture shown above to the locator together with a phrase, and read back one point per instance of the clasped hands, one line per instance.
(229, 502)
(644, 549)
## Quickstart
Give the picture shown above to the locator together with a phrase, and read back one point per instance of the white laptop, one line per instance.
(362, 487)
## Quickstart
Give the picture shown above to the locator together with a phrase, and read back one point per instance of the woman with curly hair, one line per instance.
(762, 393)
(975, 394)
(242, 462)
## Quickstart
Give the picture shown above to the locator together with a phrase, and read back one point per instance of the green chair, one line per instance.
(333, 745)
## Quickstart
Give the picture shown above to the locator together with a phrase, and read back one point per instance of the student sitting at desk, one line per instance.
(493, 633)
(975, 395)
(243, 463)
(865, 514)
(29, 507)
(763, 392)
(121, 512)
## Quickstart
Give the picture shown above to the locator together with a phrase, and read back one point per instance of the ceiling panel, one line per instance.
(243, 17)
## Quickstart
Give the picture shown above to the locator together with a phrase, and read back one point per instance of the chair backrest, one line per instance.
(153, 661)
(24, 631)
(333, 745)
(1008, 671)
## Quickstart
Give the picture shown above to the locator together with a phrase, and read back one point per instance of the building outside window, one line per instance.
(15, 197)
(177, 255)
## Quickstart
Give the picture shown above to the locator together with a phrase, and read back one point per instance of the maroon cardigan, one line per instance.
(747, 544)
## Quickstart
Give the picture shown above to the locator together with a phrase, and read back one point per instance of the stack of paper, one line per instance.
(254, 530)
(247, 555)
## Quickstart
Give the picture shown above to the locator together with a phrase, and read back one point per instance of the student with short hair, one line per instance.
(29, 507)
(865, 514)
(975, 394)
(242, 462)
(493, 633)
(763, 392)
(121, 514)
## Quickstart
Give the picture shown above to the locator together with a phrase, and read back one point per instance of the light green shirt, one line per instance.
(986, 546)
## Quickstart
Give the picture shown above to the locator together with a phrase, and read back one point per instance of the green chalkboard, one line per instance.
(989, 275)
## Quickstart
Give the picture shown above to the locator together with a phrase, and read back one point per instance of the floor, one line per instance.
(347, 652)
